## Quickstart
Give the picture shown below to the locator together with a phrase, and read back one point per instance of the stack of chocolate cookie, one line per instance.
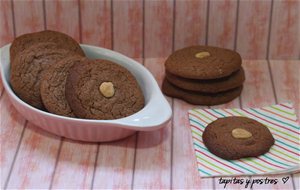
(49, 71)
(204, 75)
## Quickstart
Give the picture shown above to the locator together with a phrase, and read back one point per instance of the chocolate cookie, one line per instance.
(28, 68)
(100, 89)
(234, 80)
(237, 137)
(199, 98)
(62, 40)
(53, 84)
(203, 62)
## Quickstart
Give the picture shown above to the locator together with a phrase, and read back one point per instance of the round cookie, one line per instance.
(199, 98)
(62, 40)
(234, 80)
(100, 89)
(203, 62)
(26, 74)
(53, 83)
(233, 138)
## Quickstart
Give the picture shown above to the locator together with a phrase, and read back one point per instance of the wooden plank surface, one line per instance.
(153, 153)
(255, 36)
(35, 160)
(36, 164)
(128, 27)
(29, 16)
(253, 29)
(296, 179)
(257, 80)
(63, 16)
(222, 23)
(286, 82)
(6, 23)
(96, 23)
(185, 174)
(115, 163)
(12, 124)
(158, 32)
(285, 30)
(190, 16)
(75, 165)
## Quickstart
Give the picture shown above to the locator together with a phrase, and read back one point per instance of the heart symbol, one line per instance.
(285, 179)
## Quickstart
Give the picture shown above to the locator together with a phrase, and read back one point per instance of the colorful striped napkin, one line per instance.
(283, 157)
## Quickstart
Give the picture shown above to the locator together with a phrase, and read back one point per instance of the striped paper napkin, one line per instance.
(283, 157)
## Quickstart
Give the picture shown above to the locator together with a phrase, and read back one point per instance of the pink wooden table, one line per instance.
(33, 158)
(260, 29)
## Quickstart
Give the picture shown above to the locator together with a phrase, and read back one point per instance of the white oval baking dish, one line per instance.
(156, 113)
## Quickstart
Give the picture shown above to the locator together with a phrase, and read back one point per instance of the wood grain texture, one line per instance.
(222, 23)
(185, 174)
(190, 23)
(128, 27)
(29, 16)
(75, 165)
(153, 153)
(63, 16)
(158, 28)
(96, 22)
(286, 82)
(6, 23)
(153, 160)
(11, 125)
(253, 29)
(114, 167)
(258, 80)
(233, 104)
(35, 160)
(296, 178)
(285, 30)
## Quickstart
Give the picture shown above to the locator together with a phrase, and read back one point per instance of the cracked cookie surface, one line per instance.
(220, 138)
(28, 67)
(88, 100)
(53, 86)
(62, 40)
(217, 62)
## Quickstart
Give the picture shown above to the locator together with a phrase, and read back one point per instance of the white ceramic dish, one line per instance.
(156, 113)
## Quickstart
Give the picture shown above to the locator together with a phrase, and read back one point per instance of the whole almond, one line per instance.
(240, 133)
